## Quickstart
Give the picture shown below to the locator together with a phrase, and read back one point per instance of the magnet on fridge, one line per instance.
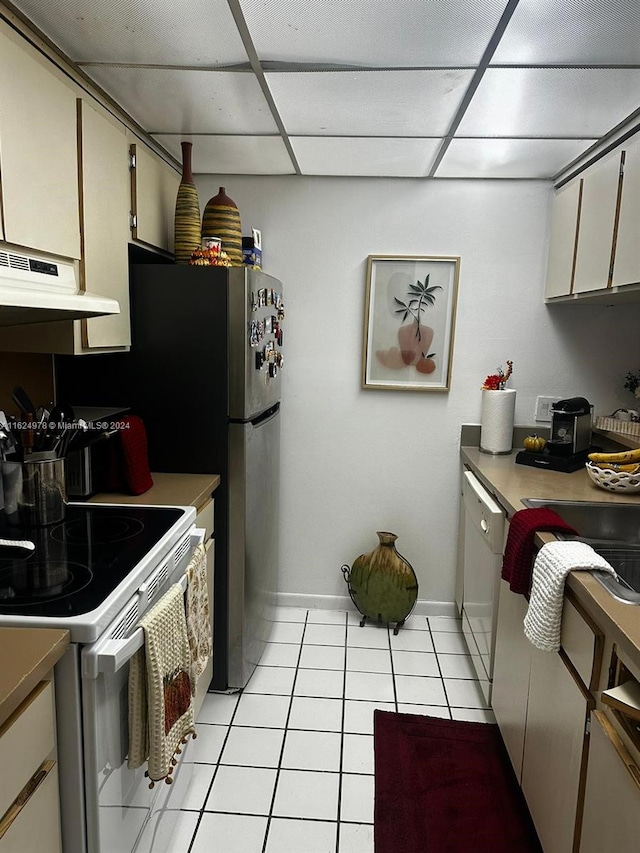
(262, 296)
(279, 337)
(268, 325)
(254, 301)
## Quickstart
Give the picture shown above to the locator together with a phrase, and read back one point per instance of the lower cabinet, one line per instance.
(542, 704)
(612, 796)
(29, 800)
(554, 751)
(511, 668)
(204, 520)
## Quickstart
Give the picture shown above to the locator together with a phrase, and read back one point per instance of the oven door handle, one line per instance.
(110, 655)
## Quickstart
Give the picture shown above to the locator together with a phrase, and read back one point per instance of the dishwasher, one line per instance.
(483, 538)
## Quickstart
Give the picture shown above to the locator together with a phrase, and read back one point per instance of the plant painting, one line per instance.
(409, 322)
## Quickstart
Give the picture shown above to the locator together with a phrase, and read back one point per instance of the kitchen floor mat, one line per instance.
(443, 786)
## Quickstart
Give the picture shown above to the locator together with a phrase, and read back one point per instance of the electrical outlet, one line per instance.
(543, 408)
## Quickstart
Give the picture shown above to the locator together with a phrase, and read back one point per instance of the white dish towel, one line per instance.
(543, 622)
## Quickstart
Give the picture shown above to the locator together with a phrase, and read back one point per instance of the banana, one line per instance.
(632, 468)
(624, 457)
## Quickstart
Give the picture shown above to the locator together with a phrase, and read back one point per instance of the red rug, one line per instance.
(443, 786)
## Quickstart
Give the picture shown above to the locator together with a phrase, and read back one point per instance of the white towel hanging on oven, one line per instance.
(543, 622)
(160, 700)
(198, 613)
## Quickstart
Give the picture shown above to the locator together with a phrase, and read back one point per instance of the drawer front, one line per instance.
(204, 519)
(36, 829)
(28, 738)
(582, 644)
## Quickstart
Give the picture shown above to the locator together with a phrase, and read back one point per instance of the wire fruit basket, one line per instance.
(614, 481)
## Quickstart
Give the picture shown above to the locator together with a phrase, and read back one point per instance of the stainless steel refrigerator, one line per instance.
(204, 374)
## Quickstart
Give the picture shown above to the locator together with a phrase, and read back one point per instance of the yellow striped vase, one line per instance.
(187, 235)
(222, 219)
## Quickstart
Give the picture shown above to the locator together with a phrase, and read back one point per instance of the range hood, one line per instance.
(36, 288)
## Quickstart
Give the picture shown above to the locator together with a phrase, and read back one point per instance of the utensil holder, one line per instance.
(41, 492)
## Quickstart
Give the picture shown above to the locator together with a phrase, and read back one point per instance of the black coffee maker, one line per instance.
(570, 427)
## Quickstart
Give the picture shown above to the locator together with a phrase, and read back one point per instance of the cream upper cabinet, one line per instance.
(598, 213)
(565, 212)
(626, 269)
(38, 152)
(154, 187)
(105, 223)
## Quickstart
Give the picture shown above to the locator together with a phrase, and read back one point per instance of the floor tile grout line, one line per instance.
(284, 738)
(393, 673)
(444, 687)
(215, 773)
(342, 721)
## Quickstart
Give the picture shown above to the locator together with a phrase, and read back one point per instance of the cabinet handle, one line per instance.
(25, 795)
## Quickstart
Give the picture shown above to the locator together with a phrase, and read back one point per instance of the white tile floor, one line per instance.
(287, 767)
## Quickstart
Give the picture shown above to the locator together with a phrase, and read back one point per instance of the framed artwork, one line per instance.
(409, 322)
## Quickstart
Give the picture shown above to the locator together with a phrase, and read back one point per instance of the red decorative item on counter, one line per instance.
(133, 438)
(519, 550)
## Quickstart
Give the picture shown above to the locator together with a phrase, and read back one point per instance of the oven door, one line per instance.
(123, 814)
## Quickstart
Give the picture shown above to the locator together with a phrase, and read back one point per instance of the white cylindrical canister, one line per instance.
(498, 409)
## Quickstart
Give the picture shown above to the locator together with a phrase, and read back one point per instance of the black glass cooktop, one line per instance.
(78, 562)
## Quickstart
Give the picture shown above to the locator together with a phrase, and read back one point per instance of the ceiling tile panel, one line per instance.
(391, 157)
(157, 32)
(172, 101)
(368, 103)
(551, 102)
(572, 32)
(232, 155)
(394, 33)
(508, 158)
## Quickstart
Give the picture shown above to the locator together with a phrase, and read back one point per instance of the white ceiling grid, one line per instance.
(422, 88)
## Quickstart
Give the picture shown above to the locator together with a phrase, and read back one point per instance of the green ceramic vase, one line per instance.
(382, 584)
(187, 236)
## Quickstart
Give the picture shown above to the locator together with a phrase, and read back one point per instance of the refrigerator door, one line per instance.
(254, 449)
(256, 314)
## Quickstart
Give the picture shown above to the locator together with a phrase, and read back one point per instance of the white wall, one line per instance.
(355, 461)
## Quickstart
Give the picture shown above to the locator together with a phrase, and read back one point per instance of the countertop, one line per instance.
(168, 490)
(509, 483)
(28, 654)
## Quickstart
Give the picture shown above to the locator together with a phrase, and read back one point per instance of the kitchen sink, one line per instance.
(612, 530)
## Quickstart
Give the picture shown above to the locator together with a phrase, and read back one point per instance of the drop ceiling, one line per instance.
(423, 88)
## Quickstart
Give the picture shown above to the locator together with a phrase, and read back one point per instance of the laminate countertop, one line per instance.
(28, 654)
(510, 483)
(168, 490)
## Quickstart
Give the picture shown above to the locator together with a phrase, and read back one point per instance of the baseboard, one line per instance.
(423, 607)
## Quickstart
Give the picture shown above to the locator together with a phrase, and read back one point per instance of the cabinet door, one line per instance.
(597, 223)
(612, 795)
(565, 212)
(105, 220)
(154, 189)
(511, 667)
(626, 269)
(38, 153)
(553, 751)
(36, 829)
(205, 520)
